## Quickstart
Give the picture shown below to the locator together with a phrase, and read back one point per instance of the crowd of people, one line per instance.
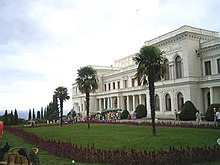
(109, 116)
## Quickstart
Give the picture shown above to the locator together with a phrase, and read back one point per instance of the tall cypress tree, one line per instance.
(33, 114)
(55, 105)
(45, 113)
(29, 114)
(11, 118)
(42, 113)
(15, 117)
(38, 114)
(6, 121)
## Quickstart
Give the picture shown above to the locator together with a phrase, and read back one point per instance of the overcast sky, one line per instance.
(44, 42)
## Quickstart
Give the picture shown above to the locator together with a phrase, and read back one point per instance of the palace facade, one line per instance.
(192, 61)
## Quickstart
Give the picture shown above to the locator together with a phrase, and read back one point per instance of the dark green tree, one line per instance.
(38, 114)
(42, 113)
(55, 105)
(15, 117)
(87, 82)
(33, 114)
(149, 62)
(29, 114)
(45, 113)
(49, 109)
(6, 121)
(11, 118)
(62, 94)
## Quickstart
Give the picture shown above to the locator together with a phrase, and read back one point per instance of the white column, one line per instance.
(162, 104)
(111, 102)
(118, 102)
(133, 97)
(104, 103)
(100, 104)
(122, 103)
(211, 95)
(128, 106)
(148, 105)
(140, 99)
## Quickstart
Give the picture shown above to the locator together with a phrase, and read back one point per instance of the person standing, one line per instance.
(198, 117)
(218, 117)
(176, 114)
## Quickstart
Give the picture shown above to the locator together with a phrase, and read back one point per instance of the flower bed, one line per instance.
(90, 154)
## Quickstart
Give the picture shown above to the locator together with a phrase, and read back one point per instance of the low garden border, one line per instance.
(89, 154)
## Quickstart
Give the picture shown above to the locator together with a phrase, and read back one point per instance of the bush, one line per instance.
(141, 111)
(188, 112)
(124, 114)
(209, 115)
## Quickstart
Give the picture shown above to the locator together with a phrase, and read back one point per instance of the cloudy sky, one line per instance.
(44, 42)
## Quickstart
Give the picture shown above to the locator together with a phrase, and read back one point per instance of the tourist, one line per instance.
(129, 116)
(198, 117)
(218, 117)
(176, 114)
(134, 115)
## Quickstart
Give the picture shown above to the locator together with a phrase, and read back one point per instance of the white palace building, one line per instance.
(192, 59)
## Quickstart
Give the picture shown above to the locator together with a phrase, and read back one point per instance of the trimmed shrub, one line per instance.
(188, 112)
(124, 114)
(209, 115)
(141, 111)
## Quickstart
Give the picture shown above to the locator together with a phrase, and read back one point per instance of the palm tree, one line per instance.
(148, 71)
(62, 94)
(87, 82)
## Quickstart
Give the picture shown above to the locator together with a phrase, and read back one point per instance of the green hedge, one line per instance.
(141, 111)
(209, 115)
(188, 112)
(124, 114)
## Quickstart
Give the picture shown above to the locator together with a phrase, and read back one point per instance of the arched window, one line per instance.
(157, 103)
(179, 67)
(168, 102)
(180, 101)
(167, 72)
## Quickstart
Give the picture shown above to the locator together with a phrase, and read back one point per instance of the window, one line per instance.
(180, 101)
(133, 82)
(218, 65)
(118, 84)
(105, 88)
(109, 86)
(167, 72)
(168, 102)
(178, 63)
(157, 103)
(125, 83)
(113, 85)
(208, 68)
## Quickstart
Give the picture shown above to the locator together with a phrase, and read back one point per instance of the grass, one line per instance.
(45, 158)
(117, 136)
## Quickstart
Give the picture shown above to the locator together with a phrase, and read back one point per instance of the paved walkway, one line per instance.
(166, 120)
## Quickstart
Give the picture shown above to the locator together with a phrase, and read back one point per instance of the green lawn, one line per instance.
(117, 136)
(127, 136)
(45, 159)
